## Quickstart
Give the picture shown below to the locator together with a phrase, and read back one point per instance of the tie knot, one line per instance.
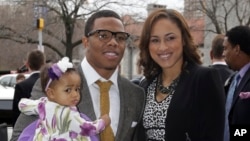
(104, 86)
(236, 78)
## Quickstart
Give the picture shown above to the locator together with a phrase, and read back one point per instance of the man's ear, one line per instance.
(27, 64)
(237, 49)
(85, 42)
(211, 56)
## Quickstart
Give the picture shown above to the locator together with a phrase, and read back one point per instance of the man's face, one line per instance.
(230, 54)
(105, 55)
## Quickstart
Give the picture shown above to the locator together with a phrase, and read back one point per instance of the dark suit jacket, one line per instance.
(132, 103)
(196, 111)
(22, 90)
(240, 111)
(224, 70)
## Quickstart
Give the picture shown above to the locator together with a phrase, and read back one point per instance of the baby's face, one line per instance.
(66, 91)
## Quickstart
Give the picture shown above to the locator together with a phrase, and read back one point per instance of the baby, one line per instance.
(58, 115)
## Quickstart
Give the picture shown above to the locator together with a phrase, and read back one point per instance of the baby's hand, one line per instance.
(106, 119)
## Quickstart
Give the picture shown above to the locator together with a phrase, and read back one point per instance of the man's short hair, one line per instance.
(217, 46)
(36, 59)
(100, 14)
(240, 35)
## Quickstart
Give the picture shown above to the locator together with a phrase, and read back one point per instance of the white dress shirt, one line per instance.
(91, 77)
(220, 63)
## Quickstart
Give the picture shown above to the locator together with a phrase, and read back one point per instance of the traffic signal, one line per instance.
(40, 23)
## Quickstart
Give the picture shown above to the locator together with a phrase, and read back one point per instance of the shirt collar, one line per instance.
(219, 63)
(34, 72)
(244, 70)
(92, 76)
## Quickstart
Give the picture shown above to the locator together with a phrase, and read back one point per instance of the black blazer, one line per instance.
(22, 90)
(240, 111)
(196, 111)
(224, 71)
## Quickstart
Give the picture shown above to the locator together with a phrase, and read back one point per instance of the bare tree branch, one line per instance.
(64, 21)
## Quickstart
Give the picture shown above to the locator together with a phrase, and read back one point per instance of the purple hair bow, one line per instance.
(56, 70)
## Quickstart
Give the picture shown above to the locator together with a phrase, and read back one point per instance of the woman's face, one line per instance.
(165, 45)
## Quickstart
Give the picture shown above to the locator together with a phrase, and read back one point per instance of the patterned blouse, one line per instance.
(155, 114)
(59, 123)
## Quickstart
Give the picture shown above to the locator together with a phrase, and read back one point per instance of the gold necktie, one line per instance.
(107, 134)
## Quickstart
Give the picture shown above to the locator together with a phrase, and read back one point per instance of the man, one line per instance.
(35, 61)
(217, 58)
(20, 77)
(237, 56)
(105, 43)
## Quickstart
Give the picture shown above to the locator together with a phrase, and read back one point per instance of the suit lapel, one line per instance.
(124, 124)
(181, 110)
(243, 82)
(86, 105)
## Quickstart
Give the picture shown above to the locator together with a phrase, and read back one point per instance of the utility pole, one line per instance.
(40, 26)
(39, 13)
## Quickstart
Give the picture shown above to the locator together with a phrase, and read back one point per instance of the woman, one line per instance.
(185, 101)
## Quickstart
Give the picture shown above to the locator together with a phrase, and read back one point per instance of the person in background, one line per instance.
(20, 77)
(35, 60)
(58, 115)
(217, 58)
(237, 56)
(184, 101)
(105, 42)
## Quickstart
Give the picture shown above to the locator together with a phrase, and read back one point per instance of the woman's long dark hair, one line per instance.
(190, 54)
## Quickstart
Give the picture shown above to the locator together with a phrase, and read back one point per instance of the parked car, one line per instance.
(7, 89)
(6, 99)
(10, 79)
